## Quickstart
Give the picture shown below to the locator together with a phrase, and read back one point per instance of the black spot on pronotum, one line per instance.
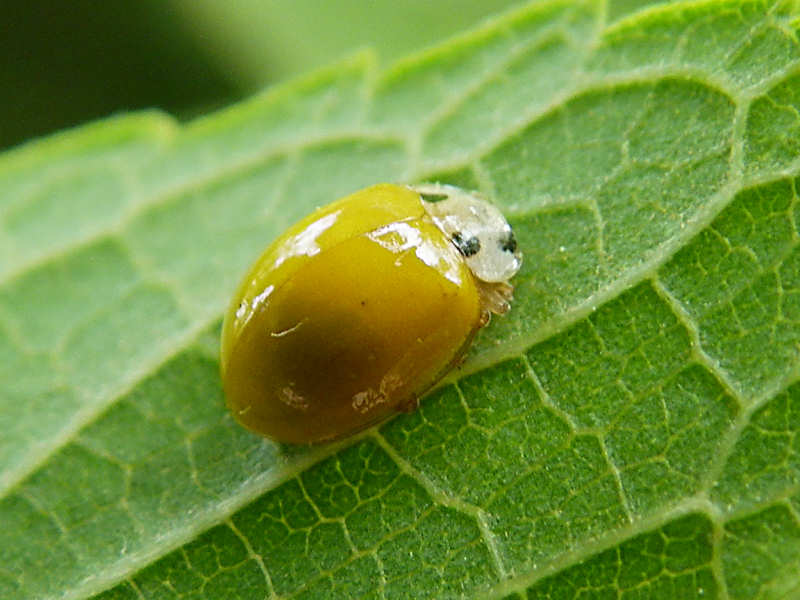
(468, 247)
(508, 243)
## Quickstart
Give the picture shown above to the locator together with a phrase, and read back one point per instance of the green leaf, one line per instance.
(630, 429)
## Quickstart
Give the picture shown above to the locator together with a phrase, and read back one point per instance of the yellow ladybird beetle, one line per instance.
(357, 310)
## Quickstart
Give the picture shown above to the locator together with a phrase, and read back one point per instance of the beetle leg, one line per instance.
(409, 406)
(495, 297)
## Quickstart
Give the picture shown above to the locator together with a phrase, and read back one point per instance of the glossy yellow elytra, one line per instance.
(361, 307)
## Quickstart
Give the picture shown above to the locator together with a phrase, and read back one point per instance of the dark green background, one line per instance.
(64, 63)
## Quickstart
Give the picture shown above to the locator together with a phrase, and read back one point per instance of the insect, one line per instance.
(357, 310)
